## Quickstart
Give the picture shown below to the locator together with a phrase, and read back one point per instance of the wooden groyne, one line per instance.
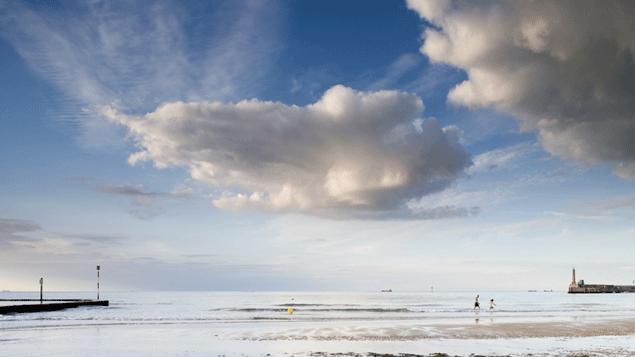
(54, 306)
(581, 288)
(51, 304)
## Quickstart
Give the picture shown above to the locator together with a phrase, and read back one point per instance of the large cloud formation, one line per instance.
(350, 155)
(563, 68)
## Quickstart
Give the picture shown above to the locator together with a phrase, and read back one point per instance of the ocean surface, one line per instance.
(252, 307)
(237, 323)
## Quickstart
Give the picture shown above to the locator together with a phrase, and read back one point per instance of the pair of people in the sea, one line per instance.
(477, 306)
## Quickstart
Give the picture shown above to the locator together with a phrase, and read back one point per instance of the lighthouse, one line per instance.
(573, 274)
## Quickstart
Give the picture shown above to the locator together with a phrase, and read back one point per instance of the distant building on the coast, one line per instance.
(581, 288)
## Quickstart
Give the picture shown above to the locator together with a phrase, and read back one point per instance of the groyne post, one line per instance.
(41, 290)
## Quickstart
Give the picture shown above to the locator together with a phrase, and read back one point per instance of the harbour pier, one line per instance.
(580, 287)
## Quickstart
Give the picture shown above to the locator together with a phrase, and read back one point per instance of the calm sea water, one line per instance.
(240, 324)
(272, 307)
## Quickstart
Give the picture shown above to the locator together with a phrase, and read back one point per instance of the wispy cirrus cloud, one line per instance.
(27, 236)
(141, 191)
(503, 158)
(610, 204)
(91, 238)
(396, 70)
(413, 73)
(145, 203)
(10, 226)
(133, 56)
(81, 178)
(11, 232)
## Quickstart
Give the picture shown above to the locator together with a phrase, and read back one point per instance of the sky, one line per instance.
(283, 145)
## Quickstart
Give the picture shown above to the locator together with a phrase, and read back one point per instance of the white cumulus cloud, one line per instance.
(349, 155)
(562, 68)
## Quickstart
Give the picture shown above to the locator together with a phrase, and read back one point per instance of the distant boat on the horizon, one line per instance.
(387, 291)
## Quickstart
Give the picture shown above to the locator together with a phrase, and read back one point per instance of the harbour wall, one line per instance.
(581, 288)
(600, 289)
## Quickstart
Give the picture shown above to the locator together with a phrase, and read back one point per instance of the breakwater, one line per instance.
(56, 305)
(600, 289)
(581, 288)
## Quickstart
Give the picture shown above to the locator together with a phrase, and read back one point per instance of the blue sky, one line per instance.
(295, 145)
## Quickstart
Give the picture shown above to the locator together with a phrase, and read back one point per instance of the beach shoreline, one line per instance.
(589, 338)
(386, 330)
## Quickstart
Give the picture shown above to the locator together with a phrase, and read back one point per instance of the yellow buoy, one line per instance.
(290, 310)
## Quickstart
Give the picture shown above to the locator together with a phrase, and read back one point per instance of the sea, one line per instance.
(251, 323)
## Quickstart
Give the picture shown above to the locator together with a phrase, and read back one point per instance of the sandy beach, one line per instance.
(589, 338)
(476, 331)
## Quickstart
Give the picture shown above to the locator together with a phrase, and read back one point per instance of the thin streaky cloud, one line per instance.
(96, 238)
(619, 202)
(503, 158)
(18, 225)
(81, 178)
(145, 204)
(397, 70)
(134, 58)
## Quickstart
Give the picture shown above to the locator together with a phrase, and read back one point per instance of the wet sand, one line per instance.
(614, 337)
(474, 331)
(623, 327)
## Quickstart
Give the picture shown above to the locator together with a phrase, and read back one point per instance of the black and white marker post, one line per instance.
(98, 282)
